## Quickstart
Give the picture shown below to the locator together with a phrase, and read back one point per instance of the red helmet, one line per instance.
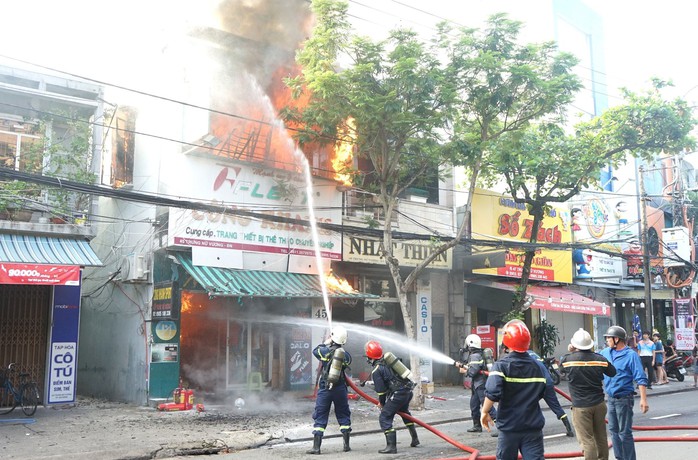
(374, 350)
(516, 336)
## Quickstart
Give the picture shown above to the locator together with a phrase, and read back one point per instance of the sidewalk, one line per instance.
(95, 429)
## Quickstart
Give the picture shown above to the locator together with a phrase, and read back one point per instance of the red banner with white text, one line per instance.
(65, 275)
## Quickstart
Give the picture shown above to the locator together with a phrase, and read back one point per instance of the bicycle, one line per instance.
(25, 395)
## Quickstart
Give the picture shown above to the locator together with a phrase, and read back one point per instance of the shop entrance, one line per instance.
(249, 354)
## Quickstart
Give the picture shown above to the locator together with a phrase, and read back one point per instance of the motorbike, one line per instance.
(675, 368)
(554, 369)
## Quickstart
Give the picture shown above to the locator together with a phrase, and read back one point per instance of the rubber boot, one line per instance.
(317, 440)
(345, 435)
(413, 433)
(390, 443)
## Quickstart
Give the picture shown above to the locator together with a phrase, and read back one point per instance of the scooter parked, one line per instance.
(674, 368)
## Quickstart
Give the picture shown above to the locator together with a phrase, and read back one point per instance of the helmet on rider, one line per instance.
(339, 335)
(373, 350)
(581, 340)
(617, 332)
(517, 337)
(473, 341)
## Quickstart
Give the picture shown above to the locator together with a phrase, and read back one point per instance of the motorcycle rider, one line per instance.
(394, 395)
(475, 368)
(332, 392)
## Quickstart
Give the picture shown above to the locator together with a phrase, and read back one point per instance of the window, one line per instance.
(123, 146)
(19, 148)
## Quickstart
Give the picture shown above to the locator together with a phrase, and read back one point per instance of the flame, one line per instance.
(186, 302)
(338, 284)
(344, 151)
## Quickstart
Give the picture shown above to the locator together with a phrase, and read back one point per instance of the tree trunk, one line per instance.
(537, 212)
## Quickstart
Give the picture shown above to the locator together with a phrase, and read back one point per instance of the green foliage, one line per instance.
(547, 336)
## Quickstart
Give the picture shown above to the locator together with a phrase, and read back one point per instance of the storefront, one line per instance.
(40, 291)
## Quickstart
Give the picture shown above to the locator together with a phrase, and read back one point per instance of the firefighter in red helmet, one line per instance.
(517, 382)
(391, 380)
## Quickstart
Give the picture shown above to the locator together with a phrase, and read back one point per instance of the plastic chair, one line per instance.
(254, 381)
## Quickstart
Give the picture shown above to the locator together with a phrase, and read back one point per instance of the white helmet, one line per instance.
(473, 341)
(581, 340)
(339, 335)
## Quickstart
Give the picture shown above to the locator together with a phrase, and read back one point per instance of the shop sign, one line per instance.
(264, 191)
(300, 355)
(499, 217)
(63, 351)
(66, 275)
(410, 253)
(166, 301)
(424, 326)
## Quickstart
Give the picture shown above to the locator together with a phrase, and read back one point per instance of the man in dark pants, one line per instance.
(394, 395)
(517, 382)
(331, 393)
(586, 370)
(475, 368)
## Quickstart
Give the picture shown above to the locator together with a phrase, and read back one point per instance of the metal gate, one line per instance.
(24, 320)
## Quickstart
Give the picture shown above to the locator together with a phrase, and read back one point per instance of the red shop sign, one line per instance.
(67, 275)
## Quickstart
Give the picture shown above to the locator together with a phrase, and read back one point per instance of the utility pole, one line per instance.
(644, 242)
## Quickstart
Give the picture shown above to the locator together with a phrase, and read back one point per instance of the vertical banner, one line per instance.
(683, 324)
(65, 325)
(423, 325)
(300, 356)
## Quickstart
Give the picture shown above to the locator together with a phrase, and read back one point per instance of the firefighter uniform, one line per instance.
(337, 395)
(476, 371)
(394, 395)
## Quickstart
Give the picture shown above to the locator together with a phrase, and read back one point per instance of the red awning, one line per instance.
(554, 298)
(67, 275)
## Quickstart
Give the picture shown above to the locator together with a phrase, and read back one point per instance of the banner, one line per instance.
(683, 324)
(62, 275)
(63, 351)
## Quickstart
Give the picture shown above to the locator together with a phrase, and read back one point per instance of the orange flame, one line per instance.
(338, 284)
(344, 151)
(186, 302)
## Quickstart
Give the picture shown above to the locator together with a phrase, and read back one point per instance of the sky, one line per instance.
(124, 42)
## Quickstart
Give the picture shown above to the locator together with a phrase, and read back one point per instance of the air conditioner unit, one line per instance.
(135, 269)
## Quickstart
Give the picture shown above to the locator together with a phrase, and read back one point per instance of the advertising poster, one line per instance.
(64, 345)
(684, 324)
(424, 327)
(498, 216)
(300, 358)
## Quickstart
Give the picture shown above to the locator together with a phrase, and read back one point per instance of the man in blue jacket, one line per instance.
(621, 391)
(517, 382)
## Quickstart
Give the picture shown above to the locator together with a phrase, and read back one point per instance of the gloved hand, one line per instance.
(459, 364)
(566, 421)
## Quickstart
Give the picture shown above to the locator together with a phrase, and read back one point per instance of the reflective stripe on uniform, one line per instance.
(344, 427)
(519, 380)
(476, 362)
(585, 363)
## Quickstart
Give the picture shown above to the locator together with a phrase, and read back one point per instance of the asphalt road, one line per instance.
(665, 410)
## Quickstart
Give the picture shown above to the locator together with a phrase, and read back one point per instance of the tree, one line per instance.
(410, 107)
(542, 164)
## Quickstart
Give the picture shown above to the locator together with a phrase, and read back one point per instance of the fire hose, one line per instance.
(475, 454)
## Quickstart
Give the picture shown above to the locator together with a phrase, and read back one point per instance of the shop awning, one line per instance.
(253, 283)
(554, 298)
(31, 249)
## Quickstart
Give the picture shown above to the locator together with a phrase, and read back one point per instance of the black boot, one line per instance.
(477, 428)
(345, 435)
(317, 440)
(413, 433)
(390, 443)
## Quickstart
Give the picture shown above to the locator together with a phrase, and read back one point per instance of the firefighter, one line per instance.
(394, 387)
(332, 388)
(517, 382)
(475, 368)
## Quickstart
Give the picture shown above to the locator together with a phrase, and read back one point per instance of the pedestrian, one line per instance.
(332, 388)
(517, 382)
(475, 368)
(658, 359)
(394, 387)
(585, 370)
(632, 341)
(669, 351)
(645, 349)
(621, 392)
